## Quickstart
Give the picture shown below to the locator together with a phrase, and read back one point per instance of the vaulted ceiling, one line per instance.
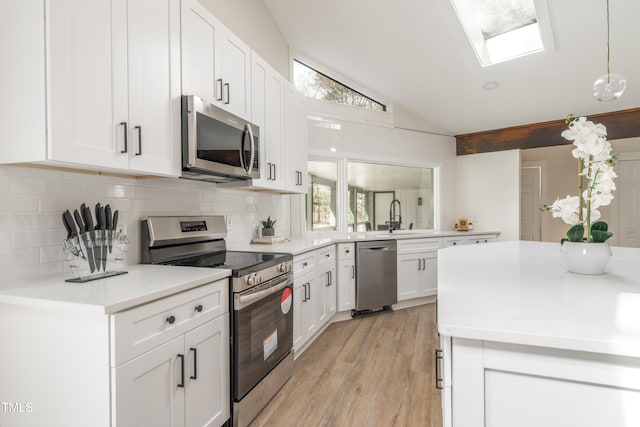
(416, 54)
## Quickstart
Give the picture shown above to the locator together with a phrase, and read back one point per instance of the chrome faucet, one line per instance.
(392, 214)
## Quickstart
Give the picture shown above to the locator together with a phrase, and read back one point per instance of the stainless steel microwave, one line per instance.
(217, 145)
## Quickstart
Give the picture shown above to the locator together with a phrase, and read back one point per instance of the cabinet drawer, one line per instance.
(304, 262)
(145, 327)
(472, 240)
(346, 251)
(452, 241)
(326, 255)
(419, 245)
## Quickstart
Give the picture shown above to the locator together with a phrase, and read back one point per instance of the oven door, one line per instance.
(263, 331)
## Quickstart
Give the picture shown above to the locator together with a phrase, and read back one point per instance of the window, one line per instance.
(321, 197)
(317, 85)
(362, 201)
(500, 30)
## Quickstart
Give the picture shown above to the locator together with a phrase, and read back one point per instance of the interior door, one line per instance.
(628, 199)
(530, 214)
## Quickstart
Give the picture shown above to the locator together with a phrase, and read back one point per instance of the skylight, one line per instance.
(500, 30)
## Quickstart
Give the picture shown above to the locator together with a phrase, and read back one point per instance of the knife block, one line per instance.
(94, 255)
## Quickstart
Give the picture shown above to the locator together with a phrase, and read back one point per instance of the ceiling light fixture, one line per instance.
(610, 86)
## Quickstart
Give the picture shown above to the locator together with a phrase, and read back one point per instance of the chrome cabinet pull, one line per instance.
(438, 378)
(139, 129)
(126, 135)
(424, 263)
(418, 264)
(353, 271)
(228, 94)
(274, 171)
(269, 177)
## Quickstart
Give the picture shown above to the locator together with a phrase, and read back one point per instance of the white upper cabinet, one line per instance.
(295, 140)
(267, 107)
(216, 65)
(112, 76)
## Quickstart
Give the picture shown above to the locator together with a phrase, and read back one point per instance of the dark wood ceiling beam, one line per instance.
(620, 124)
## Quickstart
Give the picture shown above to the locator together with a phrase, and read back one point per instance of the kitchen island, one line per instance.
(527, 343)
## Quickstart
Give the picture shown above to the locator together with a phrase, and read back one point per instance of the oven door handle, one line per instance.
(242, 301)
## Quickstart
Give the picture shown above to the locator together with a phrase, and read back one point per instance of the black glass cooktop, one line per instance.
(239, 262)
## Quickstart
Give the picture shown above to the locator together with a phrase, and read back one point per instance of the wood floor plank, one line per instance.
(372, 371)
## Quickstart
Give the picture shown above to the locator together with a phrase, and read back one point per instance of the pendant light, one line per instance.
(609, 86)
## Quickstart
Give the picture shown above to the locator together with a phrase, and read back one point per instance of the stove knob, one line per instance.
(251, 280)
(282, 268)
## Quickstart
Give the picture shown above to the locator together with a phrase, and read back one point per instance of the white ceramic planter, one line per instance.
(586, 258)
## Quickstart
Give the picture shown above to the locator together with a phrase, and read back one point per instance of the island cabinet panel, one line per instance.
(502, 385)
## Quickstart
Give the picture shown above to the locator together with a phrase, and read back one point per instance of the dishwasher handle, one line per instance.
(376, 248)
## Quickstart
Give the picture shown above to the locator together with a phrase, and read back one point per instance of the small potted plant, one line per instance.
(268, 226)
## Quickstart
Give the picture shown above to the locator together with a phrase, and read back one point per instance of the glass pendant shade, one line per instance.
(609, 87)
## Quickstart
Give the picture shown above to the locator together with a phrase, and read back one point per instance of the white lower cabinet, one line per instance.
(184, 382)
(346, 277)
(504, 385)
(418, 267)
(314, 293)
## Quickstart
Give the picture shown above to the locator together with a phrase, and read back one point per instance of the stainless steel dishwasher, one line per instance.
(376, 278)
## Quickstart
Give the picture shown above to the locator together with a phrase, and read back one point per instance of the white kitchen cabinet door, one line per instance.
(147, 389)
(153, 30)
(295, 140)
(200, 32)
(327, 290)
(86, 76)
(409, 275)
(235, 75)
(23, 126)
(114, 83)
(266, 112)
(207, 389)
(304, 314)
(429, 282)
(346, 285)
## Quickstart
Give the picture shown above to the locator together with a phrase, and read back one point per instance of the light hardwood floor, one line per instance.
(376, 370)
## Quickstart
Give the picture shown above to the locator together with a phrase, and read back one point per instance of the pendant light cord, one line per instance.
(608, 47)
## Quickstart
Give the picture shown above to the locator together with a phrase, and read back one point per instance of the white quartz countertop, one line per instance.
(302, 245)
(142, 283)
(520, 292)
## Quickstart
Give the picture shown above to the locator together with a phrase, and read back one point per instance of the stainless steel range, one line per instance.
(261, 292)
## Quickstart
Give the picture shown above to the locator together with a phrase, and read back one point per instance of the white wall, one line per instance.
(356, 141)
(488, 192)
(32, 200)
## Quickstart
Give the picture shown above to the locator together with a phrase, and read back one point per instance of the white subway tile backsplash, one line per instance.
(5, 184)
(26, 185)
(19, 257)
(32, 200)
(37, 238)
(18, 203)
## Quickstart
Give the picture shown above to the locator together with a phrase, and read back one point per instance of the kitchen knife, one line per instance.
(88, 222)
(102, 226)
(115, 220)
(109, 221)
(97, 244)
(83, 234)
(72, 234)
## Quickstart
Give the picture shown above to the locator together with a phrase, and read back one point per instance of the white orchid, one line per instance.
(596, 181)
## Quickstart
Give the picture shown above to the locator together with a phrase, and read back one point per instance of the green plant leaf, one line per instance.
(599, 226)
(576, 233)
(268, 223)
(598, 236)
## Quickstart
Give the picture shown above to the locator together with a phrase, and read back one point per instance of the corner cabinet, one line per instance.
(113, 84)
(314, 293)
(216, 65)
(418, 267)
